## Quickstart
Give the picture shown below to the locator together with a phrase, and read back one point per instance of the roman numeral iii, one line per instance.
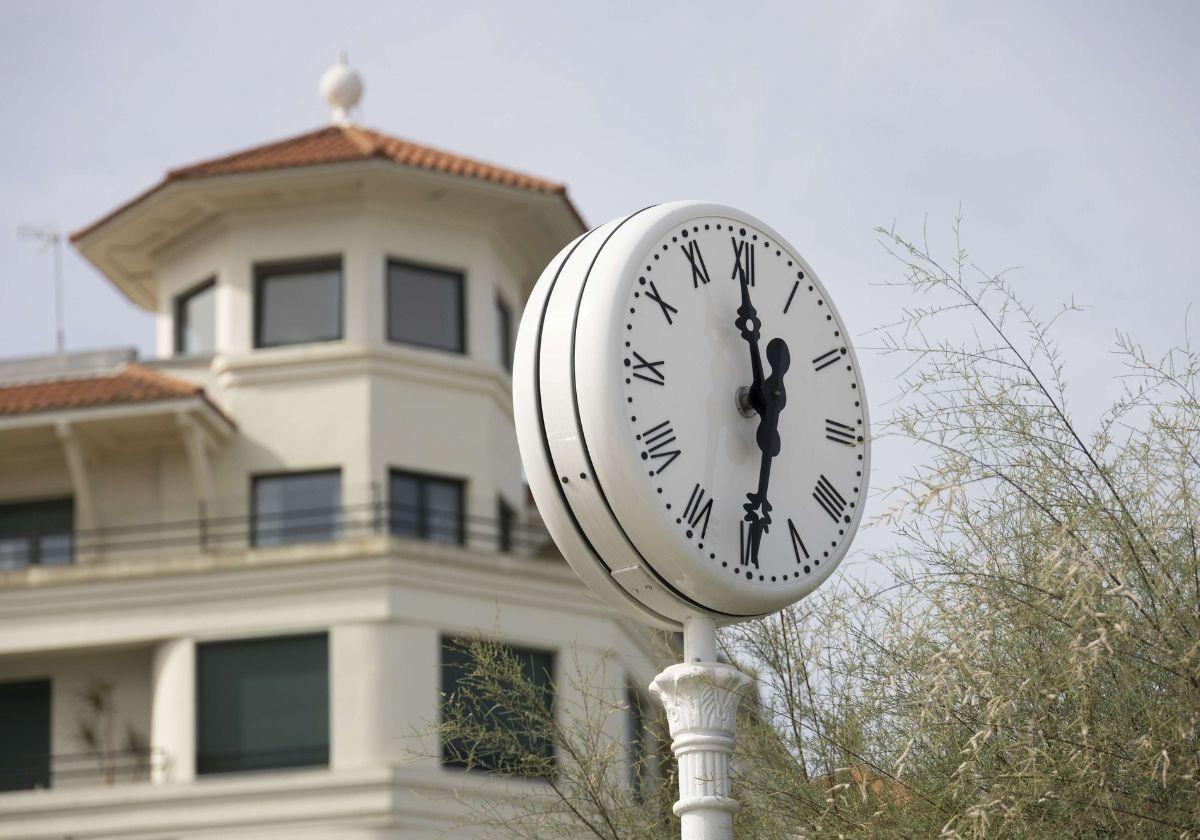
(743, 261)
(830, 500)
(655, 377)
(841, 433)
(698, 510)
(654, 446)
(699, 270)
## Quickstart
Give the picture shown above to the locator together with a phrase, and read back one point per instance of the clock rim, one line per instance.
(618, 254)
(550, 494)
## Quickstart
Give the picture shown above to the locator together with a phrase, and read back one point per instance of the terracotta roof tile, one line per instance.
(341, 144)
(131, 384)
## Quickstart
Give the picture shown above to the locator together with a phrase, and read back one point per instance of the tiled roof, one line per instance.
(341, 144)
(133, 383)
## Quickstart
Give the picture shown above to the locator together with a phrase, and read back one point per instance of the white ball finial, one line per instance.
(342, 88)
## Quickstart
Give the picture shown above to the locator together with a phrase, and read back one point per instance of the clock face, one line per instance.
(690, 415)
(763, 486)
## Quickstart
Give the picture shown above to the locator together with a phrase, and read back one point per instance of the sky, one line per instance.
(1067, 132)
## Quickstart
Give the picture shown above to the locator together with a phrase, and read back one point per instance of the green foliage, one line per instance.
(1028, 664)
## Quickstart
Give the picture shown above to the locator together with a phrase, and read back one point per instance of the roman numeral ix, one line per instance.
(830, 500)
(841, 433)
(828, 357)
(698, 510)
(699, 270)
(743, 261)
(654, 446)
(797, 543)
(667, 308)
(656, 377)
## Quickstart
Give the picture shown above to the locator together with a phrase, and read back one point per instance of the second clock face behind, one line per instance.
(764, 488)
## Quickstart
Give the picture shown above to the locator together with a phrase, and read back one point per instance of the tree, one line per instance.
(1028, 665)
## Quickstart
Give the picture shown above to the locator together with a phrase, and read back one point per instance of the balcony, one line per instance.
(236, 534)
(86, 769)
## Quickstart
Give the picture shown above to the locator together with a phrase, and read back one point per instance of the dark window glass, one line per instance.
(25, 735)
(504, 334)
(506, 519)
(296, 303)
(262, 704)
(537, 666)
(427, 507)
(196, 320)
(425, 306)
(37, 533)
(297, 507)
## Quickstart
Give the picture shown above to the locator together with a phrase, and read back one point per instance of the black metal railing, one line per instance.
(226, 533)
(79, 769)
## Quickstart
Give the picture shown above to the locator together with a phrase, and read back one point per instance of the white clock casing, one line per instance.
(629, 333)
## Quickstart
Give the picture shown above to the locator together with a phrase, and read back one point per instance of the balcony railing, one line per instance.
(231, 533)
(79, 769)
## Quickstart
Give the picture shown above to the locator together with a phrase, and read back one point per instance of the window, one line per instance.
(426, 507)
(37, 533)
(297, 302)
(25, 735)
(425, 306)
(537, 666)
(262, 704)
(196, 320)
(506, 519)
(504, 334)
(297, 507)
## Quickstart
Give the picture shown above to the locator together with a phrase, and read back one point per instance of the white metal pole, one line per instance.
(701, 697)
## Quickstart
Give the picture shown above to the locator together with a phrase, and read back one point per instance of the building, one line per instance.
(228, 575)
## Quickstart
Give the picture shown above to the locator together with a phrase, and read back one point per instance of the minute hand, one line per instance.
(748, 324)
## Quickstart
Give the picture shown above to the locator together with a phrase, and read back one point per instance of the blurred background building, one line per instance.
(230, 576)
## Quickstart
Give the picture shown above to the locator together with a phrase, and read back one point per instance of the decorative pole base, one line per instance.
(701, 700)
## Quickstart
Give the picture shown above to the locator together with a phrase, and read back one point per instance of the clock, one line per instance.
(691, 415)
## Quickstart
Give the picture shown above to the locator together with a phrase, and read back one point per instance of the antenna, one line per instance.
(50, 237)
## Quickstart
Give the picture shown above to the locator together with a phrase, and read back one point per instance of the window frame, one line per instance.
(254, 479)
(422, 505)
(506, 522)
(445, 640)
(504, 329)
(181, 301)
(460, 274)
(199, 731)
(265, 270)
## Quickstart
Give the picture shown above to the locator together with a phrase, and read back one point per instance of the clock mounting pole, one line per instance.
(701, 698)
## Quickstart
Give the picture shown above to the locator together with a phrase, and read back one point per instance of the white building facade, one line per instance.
(230, 577)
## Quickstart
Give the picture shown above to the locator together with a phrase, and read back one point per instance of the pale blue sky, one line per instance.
(1069, 132)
